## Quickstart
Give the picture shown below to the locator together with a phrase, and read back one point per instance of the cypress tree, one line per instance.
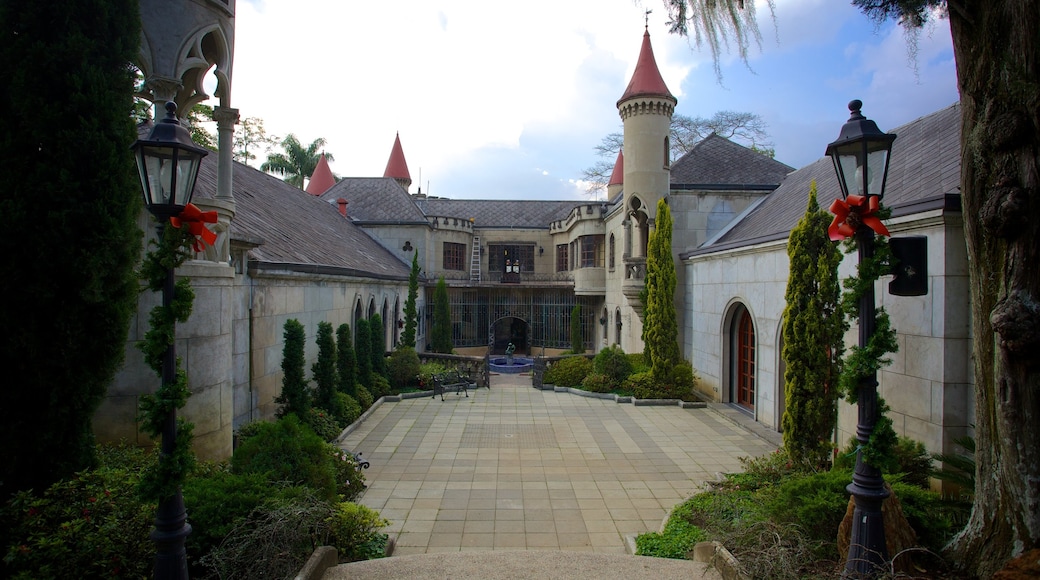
(346, 361)
(576, 343)
(295, 396)
(411, 319)
(660, 329)
(324, 369)
(363, 350)
(69, 204)
(442, 341)
(814, 329)
(378, 353)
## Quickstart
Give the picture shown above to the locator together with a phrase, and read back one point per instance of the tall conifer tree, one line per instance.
(363, 351)
(295, 397)
(411, 320)
(324, 369)
(814, 328)
(346, 361)
(660, 329)
(378, 351)
(69, 204)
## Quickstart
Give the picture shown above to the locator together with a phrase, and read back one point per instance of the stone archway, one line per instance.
(508, 329)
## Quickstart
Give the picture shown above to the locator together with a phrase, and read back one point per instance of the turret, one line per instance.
(397, 167)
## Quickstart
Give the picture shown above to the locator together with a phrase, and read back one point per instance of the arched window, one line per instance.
(617, 327)
(667, 152)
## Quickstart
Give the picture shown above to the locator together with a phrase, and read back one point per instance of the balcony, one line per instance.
(590, 281)
(635, 280)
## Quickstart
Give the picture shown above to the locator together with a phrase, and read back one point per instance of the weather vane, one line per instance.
(647, 17)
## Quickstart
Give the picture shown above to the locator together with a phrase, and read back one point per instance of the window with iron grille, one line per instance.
(561, 258)
(610, 250)
(454, 256)
(499, 253)
(591, 251)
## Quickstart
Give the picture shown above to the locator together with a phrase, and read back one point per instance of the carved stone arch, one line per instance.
(739, 334)
(206, 48)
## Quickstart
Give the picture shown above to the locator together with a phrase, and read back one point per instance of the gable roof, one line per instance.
(375, 199)
(718, 161)
(489, 213)
(297, 230)
(924, 171)
(646, 78)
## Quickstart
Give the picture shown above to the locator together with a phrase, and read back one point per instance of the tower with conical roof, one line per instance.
(397, 167)
(322, 179)
(646, 110)
(617, 176)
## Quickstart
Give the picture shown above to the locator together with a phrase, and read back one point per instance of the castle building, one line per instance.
(516, 269)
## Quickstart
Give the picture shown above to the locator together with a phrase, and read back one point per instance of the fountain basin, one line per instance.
(520, 365)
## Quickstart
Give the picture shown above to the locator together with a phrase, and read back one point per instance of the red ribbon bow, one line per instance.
(196, 220)
(861, 209)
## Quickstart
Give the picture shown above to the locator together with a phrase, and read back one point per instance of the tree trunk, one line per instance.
(997, 47)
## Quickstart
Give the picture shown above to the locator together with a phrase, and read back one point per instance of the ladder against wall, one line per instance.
(474, 264)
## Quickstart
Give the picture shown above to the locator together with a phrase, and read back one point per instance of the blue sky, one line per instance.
(508, 100)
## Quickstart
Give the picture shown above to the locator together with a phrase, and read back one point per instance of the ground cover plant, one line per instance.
(780, 520)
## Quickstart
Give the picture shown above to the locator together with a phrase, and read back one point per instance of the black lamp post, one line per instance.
(168, 162)
(861, 155)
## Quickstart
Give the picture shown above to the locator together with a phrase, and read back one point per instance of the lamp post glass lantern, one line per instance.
(861, 156)
(168, 163)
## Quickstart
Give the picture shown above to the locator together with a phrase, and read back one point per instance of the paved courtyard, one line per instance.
(517, 468)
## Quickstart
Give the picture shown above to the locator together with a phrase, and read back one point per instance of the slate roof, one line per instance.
(925, 167)
(298, 230)
(718, 161)
(489, 213)
(375, 199)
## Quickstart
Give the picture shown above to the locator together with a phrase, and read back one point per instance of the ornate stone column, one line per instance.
(226, 118)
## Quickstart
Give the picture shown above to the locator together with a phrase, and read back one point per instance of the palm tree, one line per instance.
(297, 163)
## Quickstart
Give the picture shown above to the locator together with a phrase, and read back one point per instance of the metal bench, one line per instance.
(451, 381)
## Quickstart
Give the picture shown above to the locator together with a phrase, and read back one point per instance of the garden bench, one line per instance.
(451, 380)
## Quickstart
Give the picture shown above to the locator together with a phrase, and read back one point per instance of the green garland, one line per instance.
(163, 480)
(866, 361)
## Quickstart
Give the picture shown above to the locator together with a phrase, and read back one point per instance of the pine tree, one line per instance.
(363, 350)
(295, 397)
(577, 346)
(70, 202)
(660, 329)
(814, 330)
(346, 361)
(324, 369)
(411, 320)
(442, 341)
(378, 352)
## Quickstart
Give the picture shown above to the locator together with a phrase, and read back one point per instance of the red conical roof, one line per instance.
(322, 179)
(397, 167)
(617, 177)
(646, 80)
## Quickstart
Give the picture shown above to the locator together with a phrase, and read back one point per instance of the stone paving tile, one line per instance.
(517, 468)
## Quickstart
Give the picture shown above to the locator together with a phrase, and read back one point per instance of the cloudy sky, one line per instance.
(506, 100)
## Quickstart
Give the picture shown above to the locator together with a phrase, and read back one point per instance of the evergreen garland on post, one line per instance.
(346, 361)
(71, 244)
(377, 334)
(441, 319)
(363, 350)
(576, 343)
(162, 481)
(814, 330)
(411, 320)
(324, 369)
(660, 330)
(295, 396)
(866, 361)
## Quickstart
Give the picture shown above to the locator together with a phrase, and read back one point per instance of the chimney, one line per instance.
(342, 206)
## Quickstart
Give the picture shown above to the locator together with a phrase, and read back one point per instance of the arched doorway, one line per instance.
(742, 359)
(509, 329)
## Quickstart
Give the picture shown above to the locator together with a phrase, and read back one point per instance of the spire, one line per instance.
(321, 180)
(397, 167)
(617, 177)
(646, 79)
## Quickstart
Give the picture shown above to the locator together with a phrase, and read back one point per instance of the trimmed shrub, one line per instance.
(379, 387)
(288, 451)
(93, 524)
(364, 398)
(354, 532)
(683, 381)
(426, 372)
(568, 372)
(598, 383)
(638, 362)
(351, 409)
(403, 368)
(323, 423)
(614, 363)
(642, 386)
